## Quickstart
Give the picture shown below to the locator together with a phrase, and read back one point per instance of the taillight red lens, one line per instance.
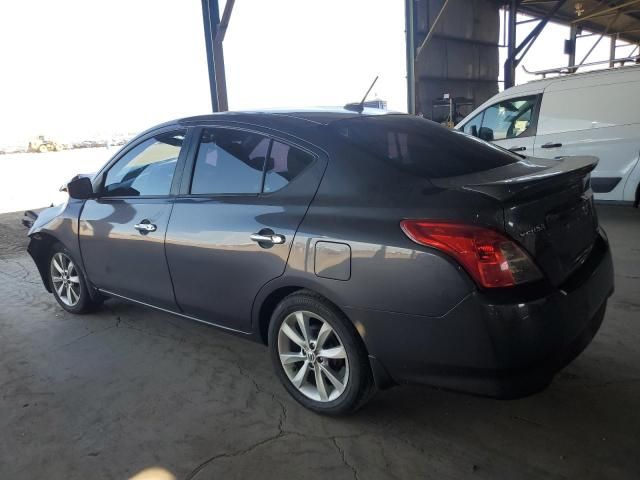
(492, 259)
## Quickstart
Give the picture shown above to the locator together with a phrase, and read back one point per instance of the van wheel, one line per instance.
(67, 282)
(318, 355)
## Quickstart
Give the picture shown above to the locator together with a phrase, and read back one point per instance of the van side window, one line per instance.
(472, 127)
(508, 119)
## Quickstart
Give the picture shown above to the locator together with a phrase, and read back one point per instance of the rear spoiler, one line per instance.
(523, 178)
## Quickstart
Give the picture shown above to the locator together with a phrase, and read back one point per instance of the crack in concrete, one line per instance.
(83, 337)
(344, 458)
(245, 451)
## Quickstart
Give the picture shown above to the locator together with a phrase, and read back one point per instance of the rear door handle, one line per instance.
(551, 145)
(145, 226)
(517, 149)
(273, 239)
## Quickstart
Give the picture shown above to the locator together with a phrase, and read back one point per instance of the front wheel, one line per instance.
(318, 355)
(68, 283)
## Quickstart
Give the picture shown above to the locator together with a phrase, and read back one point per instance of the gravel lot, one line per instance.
(110, 395)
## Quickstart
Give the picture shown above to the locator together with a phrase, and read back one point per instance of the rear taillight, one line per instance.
(492, 259)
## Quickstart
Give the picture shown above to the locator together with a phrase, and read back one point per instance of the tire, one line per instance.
(68, 285)
(346, 359)
(43, 149)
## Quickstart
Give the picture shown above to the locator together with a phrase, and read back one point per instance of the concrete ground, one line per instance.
(132, 392)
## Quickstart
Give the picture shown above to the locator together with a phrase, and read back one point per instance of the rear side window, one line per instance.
(284, 164)
(239, 162)
(229, 161)
(422, 147)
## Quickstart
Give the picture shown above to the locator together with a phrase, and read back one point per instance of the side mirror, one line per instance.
(80, 188)
(486, 134)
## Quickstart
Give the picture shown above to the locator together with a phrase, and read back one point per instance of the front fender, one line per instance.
(56, 224)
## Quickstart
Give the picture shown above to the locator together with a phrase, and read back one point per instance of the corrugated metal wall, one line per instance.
(462, 57)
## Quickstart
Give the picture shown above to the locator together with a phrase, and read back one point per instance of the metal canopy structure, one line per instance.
(620, 20)
(447, 39)
(439, 65)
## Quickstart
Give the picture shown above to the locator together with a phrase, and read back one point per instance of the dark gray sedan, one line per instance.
(365, 250)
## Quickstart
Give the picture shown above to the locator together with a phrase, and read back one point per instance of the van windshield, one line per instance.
(421, 146)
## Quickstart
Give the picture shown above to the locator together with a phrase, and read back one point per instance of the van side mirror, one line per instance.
(486, 134)
(80, 188)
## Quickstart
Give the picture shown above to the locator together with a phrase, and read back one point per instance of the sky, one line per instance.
(76, 69)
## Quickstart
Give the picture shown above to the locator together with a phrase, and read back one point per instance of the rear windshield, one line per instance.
(422, 147)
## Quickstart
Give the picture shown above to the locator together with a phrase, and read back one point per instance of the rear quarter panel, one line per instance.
(360, 202)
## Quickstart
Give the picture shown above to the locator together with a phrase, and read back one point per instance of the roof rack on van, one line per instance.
(573, 68)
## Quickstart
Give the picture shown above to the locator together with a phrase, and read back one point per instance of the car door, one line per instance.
(233, 224)
(122, 231)
(510, 123)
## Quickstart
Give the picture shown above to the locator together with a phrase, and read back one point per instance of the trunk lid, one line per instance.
(548, 208)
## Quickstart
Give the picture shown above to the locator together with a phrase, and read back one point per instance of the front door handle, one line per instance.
(517, 149)
(552, 145)
(145, 226)
(271, 239)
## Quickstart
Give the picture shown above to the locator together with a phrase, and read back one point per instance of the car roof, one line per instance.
(298, 122)
(318, 115)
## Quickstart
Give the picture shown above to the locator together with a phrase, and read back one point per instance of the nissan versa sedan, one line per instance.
(365, 250)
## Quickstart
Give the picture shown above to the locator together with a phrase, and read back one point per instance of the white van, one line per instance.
(595, 113)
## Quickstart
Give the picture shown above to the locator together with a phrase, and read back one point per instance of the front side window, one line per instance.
(239, 162)
(508, 119)
(146, 169)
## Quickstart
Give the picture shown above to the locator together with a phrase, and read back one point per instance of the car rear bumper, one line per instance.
(489, 346)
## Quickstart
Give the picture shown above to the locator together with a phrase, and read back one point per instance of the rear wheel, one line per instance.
(318, 355)
(68, 283)
(43, 149)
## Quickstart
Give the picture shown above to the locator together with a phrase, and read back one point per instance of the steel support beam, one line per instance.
(509, 64)
(599, 13)
(410, 53)
(432, 30)
(512, 58)
(210, 18)
(573, 37)
(213, 35)
(593, 47)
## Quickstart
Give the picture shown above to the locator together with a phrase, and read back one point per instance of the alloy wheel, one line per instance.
(65, 279)
(313, 356)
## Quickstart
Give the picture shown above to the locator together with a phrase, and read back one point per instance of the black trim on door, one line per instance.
(604, 184)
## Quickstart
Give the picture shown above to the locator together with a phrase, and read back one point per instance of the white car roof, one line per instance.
(574, 80)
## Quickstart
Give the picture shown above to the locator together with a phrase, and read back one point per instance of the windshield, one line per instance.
(422, 147)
